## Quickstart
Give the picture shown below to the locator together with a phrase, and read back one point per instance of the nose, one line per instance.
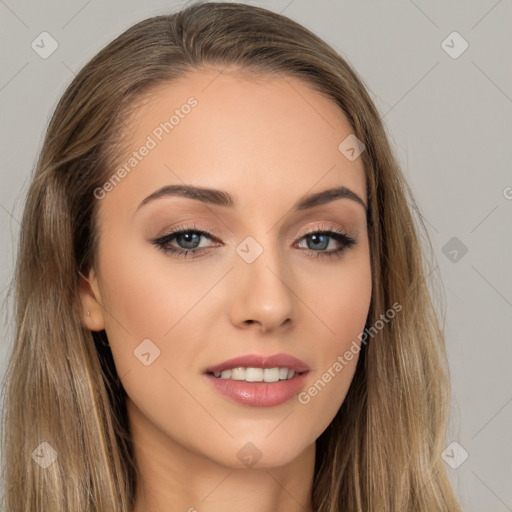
(262, 293)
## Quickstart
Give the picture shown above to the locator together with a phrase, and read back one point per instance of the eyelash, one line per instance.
(340, 236)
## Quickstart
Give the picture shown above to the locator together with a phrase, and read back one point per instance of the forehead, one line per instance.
(271, 137)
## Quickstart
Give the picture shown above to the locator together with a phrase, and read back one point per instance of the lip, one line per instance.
(259, 361)
(260, 394)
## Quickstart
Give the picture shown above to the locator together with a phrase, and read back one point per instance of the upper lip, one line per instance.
(259, 361)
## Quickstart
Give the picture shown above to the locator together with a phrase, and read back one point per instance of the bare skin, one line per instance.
(267, 142)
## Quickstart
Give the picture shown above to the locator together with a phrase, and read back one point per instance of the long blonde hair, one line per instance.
(382, 451)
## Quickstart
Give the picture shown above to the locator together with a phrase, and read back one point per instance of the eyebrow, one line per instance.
(222, 198)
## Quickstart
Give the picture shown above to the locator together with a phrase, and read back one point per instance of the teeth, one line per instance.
(256, 374)
(271, 374)
(238, 373)
(283, 373)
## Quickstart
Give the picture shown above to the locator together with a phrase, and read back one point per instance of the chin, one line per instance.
(258, 453)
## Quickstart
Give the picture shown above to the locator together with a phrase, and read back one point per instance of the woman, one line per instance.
(220, 292)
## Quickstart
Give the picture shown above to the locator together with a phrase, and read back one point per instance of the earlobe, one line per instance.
(91, 316)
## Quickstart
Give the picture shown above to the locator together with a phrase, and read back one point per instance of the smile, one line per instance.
(256, 374)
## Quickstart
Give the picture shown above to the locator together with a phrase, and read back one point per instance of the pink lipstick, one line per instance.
(259, 381)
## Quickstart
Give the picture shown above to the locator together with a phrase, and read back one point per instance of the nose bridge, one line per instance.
(261, 280)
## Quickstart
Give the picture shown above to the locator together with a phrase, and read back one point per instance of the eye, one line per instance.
(188, 239)
(317, 241)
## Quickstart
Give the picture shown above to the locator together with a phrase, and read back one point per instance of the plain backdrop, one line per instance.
(446, 101)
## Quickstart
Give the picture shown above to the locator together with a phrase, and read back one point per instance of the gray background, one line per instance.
(449, 120)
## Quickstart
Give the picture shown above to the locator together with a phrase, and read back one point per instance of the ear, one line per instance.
(92, 315)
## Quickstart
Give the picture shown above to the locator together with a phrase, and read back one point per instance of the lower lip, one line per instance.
(259, 394)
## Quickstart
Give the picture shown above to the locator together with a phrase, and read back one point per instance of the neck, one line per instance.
(174, 478)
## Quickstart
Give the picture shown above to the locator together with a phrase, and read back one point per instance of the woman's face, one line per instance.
(254, 285)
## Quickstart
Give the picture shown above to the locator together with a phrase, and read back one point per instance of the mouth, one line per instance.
(251, 374)
(259, 381)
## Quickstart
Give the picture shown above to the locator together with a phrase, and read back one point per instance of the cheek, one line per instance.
(143, 301)
(353, 291)
(343, 308)
(157, 315)
(148, 294)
